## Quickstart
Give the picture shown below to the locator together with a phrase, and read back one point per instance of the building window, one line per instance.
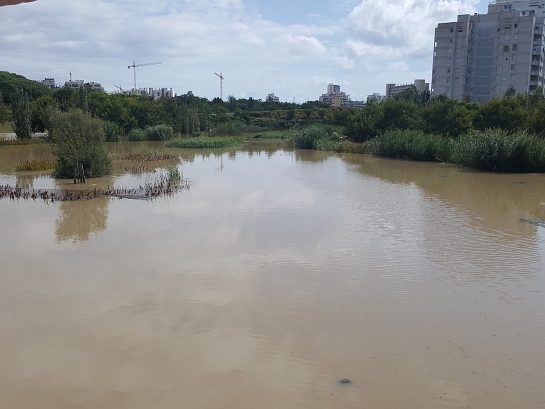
(450, 41)
(514, 47)
(508, 26)
(448, 69)
(515, 25)
(505, 48)
(512, 66)
(448, 79)
(451, 30)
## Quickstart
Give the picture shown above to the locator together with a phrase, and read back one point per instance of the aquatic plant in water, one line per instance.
(205, 142)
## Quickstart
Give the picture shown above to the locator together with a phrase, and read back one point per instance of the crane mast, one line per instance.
(135, 65)
(220, 75)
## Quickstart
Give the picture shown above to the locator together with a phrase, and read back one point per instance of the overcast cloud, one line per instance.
(292, 48)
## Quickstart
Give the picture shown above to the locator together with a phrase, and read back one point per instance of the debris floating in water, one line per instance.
(346, 381)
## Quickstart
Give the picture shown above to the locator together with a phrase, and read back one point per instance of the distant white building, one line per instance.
(151, 92)
(76, 84)
(393, 89)
(376, 97)
(49, 83)
(272, 98)
(334, 94)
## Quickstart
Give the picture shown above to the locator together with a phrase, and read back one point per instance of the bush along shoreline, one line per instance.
(490, 150)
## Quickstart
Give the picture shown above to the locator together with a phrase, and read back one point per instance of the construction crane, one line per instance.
(117, 86)
(135, 65)
(221, 84)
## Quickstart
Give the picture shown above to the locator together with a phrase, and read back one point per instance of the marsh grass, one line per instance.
(287, 134)
(412, 145)
(234, 128)
(318, 137)
(36, 165)
(142, 157)
(6, 128)
(205, 142)
(500, 151)
(33, 141)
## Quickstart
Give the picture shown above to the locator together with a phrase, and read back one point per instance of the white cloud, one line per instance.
(393, 28)
(397, 66)
(97, 39)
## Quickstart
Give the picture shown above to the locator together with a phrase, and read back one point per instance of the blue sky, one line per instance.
(293, 48)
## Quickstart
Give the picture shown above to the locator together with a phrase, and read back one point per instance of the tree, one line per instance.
(22, 115)
(77, 142)
(4, 111)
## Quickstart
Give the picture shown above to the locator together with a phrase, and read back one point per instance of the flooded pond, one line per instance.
(280, 274)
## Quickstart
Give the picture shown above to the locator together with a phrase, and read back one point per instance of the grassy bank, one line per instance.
(491, 150)
(284, 134)
(33, 141)
(205, 142)
(6, 128)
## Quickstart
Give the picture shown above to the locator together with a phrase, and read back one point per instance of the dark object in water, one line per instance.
(539, 223)
(345, 381)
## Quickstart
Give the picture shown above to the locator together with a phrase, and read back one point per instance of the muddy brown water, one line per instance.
(279, 274)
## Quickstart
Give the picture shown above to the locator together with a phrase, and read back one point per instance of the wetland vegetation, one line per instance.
(502, 135)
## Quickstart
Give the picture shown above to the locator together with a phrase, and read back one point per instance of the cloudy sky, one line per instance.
(293, 48)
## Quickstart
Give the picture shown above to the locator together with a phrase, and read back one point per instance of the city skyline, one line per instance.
(292, 49)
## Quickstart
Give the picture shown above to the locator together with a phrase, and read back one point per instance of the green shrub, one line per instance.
(159, 133)
(319, 137)
(77, 140)
(413, 145)
(136, 134)
(234, 128)
(204, 142)
(500, 151)
(96, 164)
(113, 132)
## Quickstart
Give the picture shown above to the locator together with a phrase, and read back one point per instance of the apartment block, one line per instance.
(393, 89)
(334, 92)
(481, 56)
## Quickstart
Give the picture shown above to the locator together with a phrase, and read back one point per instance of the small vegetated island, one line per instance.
(502, 135)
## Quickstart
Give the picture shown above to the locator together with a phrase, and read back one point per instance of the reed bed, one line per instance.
(139, 170)
(205, 142)
(275, 135)
(11, 142)
(36, 165)
(150, 190)
(142, 157)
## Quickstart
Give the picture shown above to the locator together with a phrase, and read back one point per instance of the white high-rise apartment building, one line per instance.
(479, 57)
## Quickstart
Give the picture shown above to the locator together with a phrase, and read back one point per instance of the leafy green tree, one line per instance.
(9, 82)
(509, 113)
(42, 111)
(4, 111)
(447, 117)
(65, 98)
(22, 115)
(77, 142)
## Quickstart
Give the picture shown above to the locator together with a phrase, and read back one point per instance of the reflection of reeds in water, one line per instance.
(163, 186)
